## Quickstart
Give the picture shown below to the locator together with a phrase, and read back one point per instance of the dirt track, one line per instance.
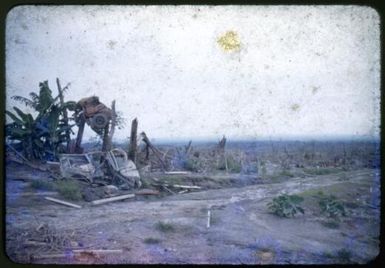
(241, 228)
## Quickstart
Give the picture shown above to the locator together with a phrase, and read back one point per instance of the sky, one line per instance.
(200, 72)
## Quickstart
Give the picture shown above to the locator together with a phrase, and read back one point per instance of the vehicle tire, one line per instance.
(99, 121)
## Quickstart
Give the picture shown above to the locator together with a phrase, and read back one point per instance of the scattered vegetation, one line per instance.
(42, 185)
(286, 173)
(344, 255)
(69, 189)
(42, 136)
(151, 240)
(320, 171)
(331, 224)
(286, 205)
(331, 207)
(164, 227)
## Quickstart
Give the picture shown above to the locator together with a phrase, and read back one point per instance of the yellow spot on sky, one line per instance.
(229, 41)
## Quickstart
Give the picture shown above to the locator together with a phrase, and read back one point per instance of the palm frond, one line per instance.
(26, 101)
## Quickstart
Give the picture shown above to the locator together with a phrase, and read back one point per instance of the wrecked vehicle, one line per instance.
(122, 168)
(82, 166)
(96, 114)
(113, 165)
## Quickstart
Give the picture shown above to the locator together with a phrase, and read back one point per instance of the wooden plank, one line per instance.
(112, 199)
(62, 202)
(186, 186)
(147, 192)
(177, 172)
(97, 251)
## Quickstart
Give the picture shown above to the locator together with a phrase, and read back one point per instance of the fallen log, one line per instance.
(112, 199)
(62, 202)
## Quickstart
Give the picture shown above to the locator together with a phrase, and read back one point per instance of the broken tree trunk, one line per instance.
(109, 131)
(222, 144)
(188, 147)
(65, 114)
(154, 150)
(79, 137)
(133, 140)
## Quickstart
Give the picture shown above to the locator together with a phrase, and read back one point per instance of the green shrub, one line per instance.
(286, 173)
(191, 165)
(344, 255)
(164, 227)
(233, 165)
(69, 189)
(331, 206)
(42, 185)
(151, 240)
(286, 205)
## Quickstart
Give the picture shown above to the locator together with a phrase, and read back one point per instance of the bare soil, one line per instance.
(173, 229)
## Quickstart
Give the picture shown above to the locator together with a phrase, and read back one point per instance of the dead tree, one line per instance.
(109, 131)
(133, 140)
(222, 144)
(156, 152)
(65, 114)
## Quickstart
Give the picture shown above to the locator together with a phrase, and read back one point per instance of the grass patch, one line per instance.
(151, 240)
(344, 255)
(164, 227)
(331, 224)
(43, 185)
(69, 189)
(286, 173)
(320, 171)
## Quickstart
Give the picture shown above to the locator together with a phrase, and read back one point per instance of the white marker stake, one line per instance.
(208, 218)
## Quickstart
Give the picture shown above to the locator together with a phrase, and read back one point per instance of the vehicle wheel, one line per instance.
(99, 121)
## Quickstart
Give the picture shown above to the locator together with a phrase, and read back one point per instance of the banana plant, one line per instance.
(23, 129)
(43, 136)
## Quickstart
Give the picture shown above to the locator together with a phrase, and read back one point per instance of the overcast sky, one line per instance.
(201, 72)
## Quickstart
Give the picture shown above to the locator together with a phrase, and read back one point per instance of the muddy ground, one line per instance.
(173, 229)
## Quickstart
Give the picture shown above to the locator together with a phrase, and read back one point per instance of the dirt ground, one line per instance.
(173, 229)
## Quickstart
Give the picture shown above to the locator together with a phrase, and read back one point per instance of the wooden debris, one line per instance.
(154, 149)
(186, 186)
(147, 192)
(23, 160)
(167, 189)
(112, 199)
(133, 140)
(62, 202)
(183, 191)
(97, 251)
(177, 172)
